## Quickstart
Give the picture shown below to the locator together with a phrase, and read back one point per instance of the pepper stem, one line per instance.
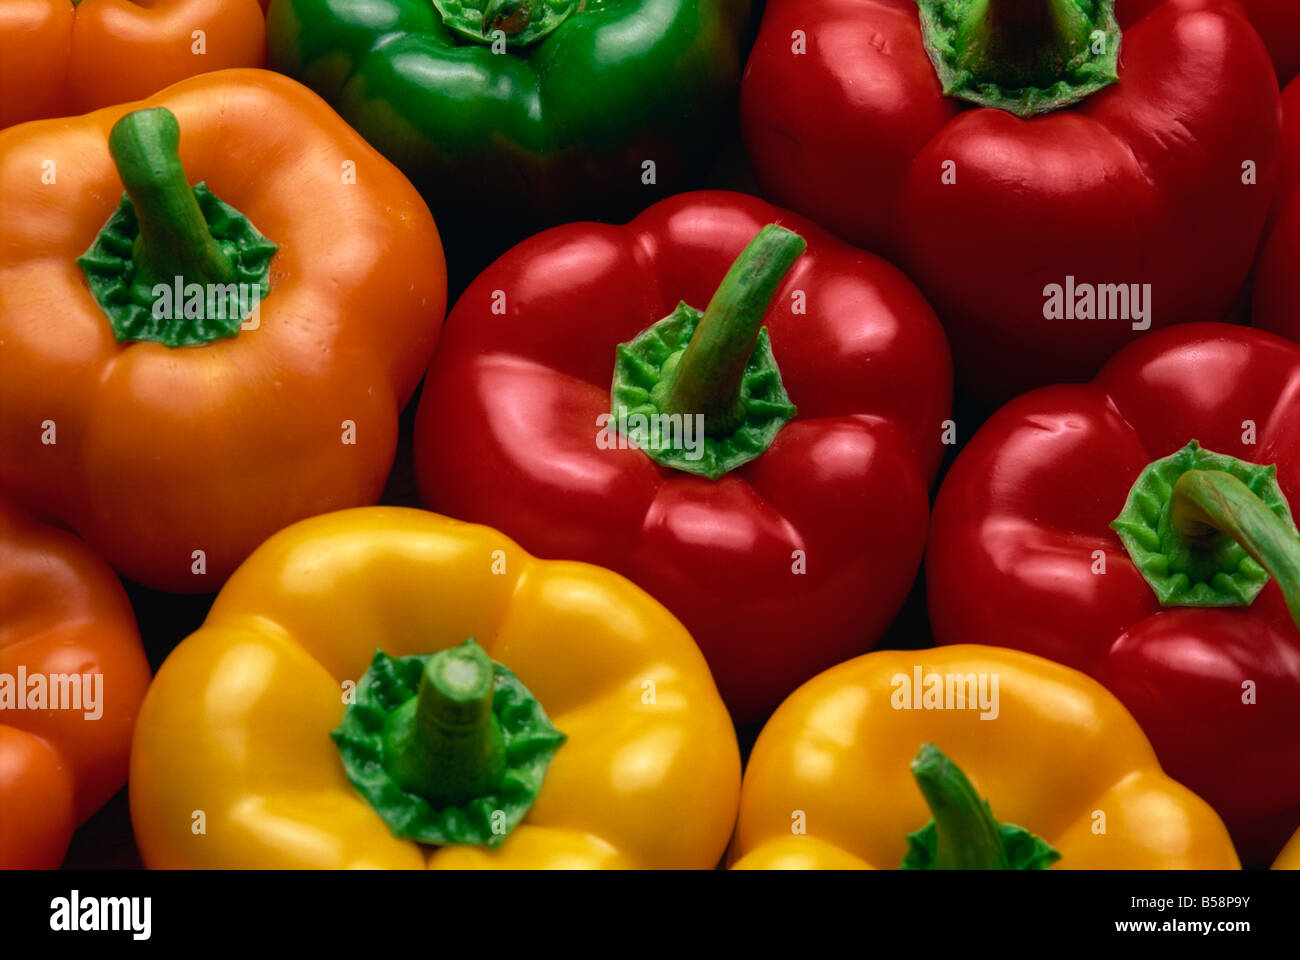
(707, 379)
(1021, 43)
(1208, 503)
(1027, 57)
(174, 239)
(966, 833)
(445, 744)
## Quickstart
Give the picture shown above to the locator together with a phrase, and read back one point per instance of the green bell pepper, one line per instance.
(510, 113)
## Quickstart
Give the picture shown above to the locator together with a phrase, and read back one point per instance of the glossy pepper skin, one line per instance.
(162, 451)
(1140, 182)
(1059, 750)
(59, 58)
(1276, 21)
(1277, 279)
(1021, 536)
(507, 435)
(62, 612)
(305, 614)
(558, 129)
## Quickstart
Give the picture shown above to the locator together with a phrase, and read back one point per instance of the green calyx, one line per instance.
(173, 264)
(1027, 57)
(1207, 530)
(520, 22)
(964, 834)
(447, 747)
(701, 392)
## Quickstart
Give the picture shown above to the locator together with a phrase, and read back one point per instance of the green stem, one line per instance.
(1206, 503)
(963, 834)
(1021, 43)
(445, 744)
(966, 833)
(174, 238)
(707, 379)
(1027, 57)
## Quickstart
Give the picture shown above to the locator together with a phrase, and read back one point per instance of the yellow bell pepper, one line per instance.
(233, 764)
(857, 759)
(1289, 858)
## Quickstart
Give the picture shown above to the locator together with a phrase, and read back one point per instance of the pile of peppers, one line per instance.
(650, 434)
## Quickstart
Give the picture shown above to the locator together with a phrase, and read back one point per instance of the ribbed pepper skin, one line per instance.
(59, 58)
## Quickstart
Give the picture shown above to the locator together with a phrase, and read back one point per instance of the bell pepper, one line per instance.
(965, 757)
(1276, 21)
(228, 358)
(1276, 304)
(65, 57)
(582, 403)
(1137, 528)
(573, 733)
(515, 112)
(72, 675)
(1052, 198)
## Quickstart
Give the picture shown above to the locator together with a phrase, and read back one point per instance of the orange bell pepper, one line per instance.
(64, 743)
(64, 57)
(175, 461)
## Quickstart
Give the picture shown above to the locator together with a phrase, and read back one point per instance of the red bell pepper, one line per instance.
(784, 564)
(1277, 280)
(1153, 163)
(1276, 21)
(1061, 530)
